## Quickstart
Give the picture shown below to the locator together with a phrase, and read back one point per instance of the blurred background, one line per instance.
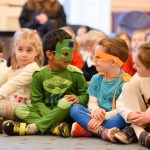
(100, 14)
(108, 16)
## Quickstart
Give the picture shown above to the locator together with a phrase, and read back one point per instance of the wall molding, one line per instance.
(130, 5)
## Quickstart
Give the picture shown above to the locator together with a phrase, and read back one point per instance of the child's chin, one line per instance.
(64, 66)
(98, 70)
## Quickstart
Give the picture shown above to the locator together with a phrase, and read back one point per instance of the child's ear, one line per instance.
(37, 53)
(49, 54)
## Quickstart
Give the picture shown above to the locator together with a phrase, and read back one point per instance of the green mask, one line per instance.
(64, 50)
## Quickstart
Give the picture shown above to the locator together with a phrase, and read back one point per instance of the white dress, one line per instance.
(3, 66)
(15, 84)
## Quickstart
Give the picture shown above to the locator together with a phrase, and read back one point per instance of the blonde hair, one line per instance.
(34, 38)
(139, 31)
(69, 30)
(94, 35)
(147, 33)
(144, 54)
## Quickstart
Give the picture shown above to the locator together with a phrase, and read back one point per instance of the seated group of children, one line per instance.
(36, 99)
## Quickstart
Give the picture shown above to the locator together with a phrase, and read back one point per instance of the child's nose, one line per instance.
(24, 53)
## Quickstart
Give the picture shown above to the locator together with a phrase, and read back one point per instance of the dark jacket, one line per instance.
(56, 20)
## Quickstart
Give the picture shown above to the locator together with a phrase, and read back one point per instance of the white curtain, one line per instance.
(95, 13)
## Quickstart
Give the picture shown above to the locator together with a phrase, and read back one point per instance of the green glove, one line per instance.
(63, 103)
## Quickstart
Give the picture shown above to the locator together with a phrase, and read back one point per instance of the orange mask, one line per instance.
(104, 57)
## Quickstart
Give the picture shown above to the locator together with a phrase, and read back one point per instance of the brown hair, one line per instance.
(1, 47)
(144, 54)
(44, 5)
(116, 47)
(124, 33)
(33, 5)
(50, 5)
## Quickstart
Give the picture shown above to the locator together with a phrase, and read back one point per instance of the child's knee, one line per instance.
(116, 121)
(21, 111)
(74, 110)
(7, 109)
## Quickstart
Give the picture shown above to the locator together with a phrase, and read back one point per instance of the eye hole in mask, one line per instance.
(64, 54)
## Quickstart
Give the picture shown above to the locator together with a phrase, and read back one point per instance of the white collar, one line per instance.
(90, 62)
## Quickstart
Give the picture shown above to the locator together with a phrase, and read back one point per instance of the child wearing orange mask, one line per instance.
(104, 89)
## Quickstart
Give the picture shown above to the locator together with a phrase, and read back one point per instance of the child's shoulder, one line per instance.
(72, 68)
(40, 71)
(31, 66)
(97, 78)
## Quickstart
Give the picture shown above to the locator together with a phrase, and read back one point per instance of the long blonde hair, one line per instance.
(34, 38)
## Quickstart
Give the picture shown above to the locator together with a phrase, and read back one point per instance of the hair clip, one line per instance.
(35, 31)
(22, 29)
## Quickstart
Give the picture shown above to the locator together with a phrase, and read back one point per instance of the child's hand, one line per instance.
(99, 114)
(139, 118)
(94, 124)
(42, 18)
(72, 98)
(132, 116)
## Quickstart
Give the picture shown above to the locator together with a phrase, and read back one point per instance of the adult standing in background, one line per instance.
(42, 15)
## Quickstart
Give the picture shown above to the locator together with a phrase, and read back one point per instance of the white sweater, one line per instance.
(134, 97)
(15, 85)
(3, 66)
